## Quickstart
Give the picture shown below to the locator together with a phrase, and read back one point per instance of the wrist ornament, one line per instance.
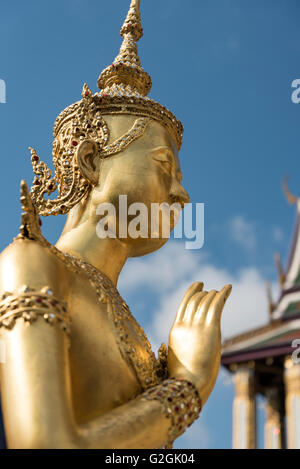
(181, 404)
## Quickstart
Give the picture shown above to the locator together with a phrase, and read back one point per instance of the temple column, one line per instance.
(292, 402)
(274, 426)
(244, 409)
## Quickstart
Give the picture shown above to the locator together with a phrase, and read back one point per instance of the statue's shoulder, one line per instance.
(25, 255)
(29, 259)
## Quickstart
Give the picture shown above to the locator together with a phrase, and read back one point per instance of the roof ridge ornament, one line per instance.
(291, 198)
(280, 271)
(271, 304)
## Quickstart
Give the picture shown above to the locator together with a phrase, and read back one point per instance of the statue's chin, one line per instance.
(143, 246)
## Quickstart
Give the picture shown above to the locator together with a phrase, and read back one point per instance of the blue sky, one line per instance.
(225, 68)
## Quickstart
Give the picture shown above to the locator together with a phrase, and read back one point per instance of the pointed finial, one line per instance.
(280, 272)
(132, 23)
(270, 299)
(126, 70)
(291, 198)
(86, 92)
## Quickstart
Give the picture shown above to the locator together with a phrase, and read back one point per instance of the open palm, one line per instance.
(195, 338)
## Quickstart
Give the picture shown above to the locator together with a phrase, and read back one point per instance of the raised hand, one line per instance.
(195, 338)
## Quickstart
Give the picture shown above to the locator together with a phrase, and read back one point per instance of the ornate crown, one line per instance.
(124, 86)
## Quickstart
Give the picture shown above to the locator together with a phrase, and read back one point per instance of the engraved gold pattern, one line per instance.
(181, 404)
(30, 304)
(125, 324)
(71, 184)
(124, 87)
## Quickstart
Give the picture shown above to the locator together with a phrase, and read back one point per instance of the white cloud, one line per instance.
(169, 273)
(166, 275)
(160, 271)
(243, 232)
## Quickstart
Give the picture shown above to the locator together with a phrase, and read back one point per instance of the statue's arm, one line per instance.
(36, 399)
(35, 379)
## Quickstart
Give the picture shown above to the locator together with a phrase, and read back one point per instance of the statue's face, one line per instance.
(147, 171)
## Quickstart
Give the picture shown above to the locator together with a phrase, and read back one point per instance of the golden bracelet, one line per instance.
(181, 404)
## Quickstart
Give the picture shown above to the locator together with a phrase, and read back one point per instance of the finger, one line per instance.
(204, 306)
(193, 305)
(196, 287)
(218, 303)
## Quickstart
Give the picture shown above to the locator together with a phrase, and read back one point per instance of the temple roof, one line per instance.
(292, 275)
(276, 337)
(288, 304)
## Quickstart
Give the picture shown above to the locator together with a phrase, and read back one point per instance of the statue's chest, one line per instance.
(111, 357)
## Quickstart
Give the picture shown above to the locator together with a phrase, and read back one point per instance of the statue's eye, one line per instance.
(163, 162)
(164, 159)
(167, 166)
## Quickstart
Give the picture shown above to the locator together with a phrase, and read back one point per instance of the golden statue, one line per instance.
(79, 370)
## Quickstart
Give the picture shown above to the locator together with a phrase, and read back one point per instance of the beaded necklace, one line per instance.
(124, 323)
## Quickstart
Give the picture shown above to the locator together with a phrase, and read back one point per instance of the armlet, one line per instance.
(180, 403)
(28, 304)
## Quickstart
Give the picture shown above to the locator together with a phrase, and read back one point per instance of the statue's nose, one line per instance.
(178, 192)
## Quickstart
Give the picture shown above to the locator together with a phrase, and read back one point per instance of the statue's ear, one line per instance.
(86, 157)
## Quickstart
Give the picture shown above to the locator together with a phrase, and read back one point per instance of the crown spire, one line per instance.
(124, 86)
(132, 23)
(126, 69)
